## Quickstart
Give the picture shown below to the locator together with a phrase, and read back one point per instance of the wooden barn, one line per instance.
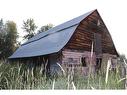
(83, 42)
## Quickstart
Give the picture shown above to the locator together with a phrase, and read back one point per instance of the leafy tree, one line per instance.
(29, 27)
(1, 24)
(8, 39)
(2, 37)
(45, 28)
(122, 58)
(11, 37)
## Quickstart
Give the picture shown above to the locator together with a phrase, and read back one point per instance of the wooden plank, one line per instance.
(77, 48)
(84, 35)
(80, 45)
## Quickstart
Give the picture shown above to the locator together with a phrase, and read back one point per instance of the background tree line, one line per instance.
(9, 35)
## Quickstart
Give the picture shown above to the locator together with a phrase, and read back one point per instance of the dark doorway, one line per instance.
(83, 60)
(98, 64)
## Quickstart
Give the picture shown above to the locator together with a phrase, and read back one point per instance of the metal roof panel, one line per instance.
(50, 44)
(50, 41)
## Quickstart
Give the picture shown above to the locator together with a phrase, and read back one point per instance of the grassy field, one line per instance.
(18, 76)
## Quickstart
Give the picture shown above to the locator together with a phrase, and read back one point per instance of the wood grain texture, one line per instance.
(84, 35)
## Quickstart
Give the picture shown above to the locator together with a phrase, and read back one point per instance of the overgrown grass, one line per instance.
(18, 76)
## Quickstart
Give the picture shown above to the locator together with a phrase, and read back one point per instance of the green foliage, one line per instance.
(1, 25)
(8, 38)
(45, 28)
(11, 37)
(2, 37)
(29, 27)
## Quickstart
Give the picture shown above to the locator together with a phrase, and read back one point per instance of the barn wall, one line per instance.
(76, 55)
(111, 58)
(84, 35)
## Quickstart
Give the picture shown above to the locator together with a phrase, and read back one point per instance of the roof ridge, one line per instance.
(48, 34)
(62, 26)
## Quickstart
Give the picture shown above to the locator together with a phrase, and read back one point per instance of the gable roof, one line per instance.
(50, 41)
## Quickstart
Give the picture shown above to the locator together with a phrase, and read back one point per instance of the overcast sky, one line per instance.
(113, 12)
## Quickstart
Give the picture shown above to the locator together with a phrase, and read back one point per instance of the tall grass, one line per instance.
(18, 76)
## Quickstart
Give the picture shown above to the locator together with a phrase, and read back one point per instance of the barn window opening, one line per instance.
(98, 62)
(113, 64)
(70, 60)
(83, 61)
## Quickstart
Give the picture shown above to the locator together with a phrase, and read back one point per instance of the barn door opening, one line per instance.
(98, 63)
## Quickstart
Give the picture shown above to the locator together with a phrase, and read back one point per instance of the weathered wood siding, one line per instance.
(105, 58)
(75, 56)
(84, 35)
